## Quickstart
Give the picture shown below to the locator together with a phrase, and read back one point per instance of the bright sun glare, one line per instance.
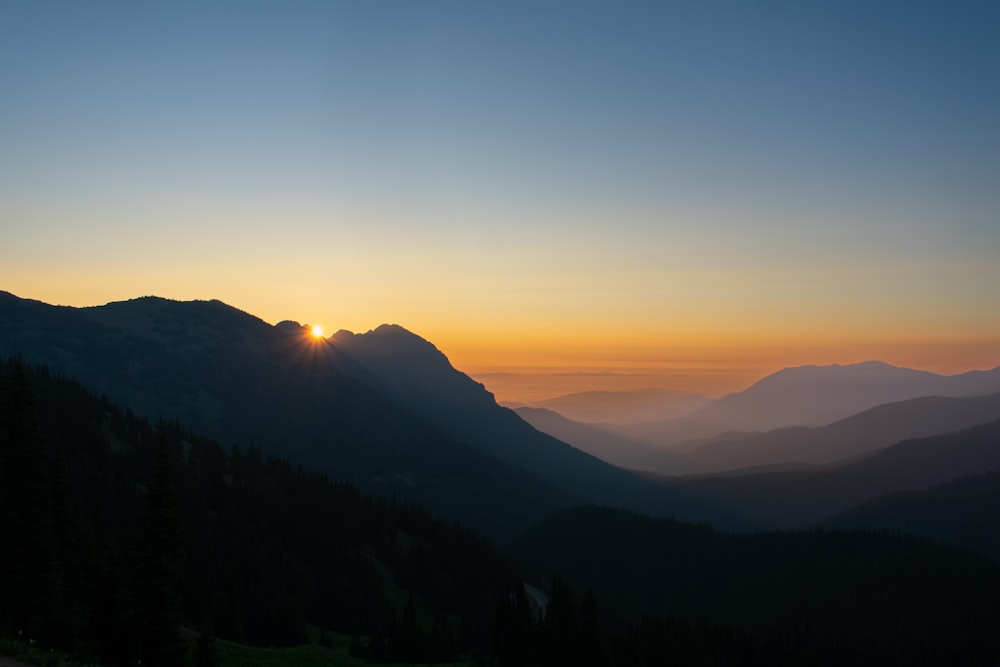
(317, 331)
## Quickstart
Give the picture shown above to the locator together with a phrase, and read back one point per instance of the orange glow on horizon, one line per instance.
(517, 354)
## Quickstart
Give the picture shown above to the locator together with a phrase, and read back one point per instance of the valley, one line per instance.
(363, 485)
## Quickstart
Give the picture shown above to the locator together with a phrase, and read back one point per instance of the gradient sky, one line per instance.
(569, 185)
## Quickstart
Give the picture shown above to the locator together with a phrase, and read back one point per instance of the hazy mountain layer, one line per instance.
(878, 427)
(799, 498)
(624, 407)
(806, 396)
(590, 438)
(817, 395)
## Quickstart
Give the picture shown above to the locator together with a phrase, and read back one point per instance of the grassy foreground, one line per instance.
(229, 654)
(309, 655)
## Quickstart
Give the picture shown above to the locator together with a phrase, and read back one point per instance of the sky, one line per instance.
(682, 193)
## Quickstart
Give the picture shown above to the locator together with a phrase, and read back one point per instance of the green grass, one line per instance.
(311, 655)
(234, 655)
(35, 655)
(231, 654)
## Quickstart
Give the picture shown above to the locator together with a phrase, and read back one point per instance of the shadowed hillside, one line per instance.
(138, 531)
(964, 512)
(599, 442)
(412, 371)
(242, 381)
(899, 597)
(792, 499)
(388, 412)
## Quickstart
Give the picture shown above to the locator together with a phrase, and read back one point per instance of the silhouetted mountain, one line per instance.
(623, 407)
(386, 411)
(899, 597)
(872, 429)
(412, 371)
(800, 498)
(964, 512)
(817, 395)
(590, 438)
(239, 380)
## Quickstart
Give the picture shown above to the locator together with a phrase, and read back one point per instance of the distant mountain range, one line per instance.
(714, 435)
(384, 409)
(623, 407)
(817, 395)
(859, 434)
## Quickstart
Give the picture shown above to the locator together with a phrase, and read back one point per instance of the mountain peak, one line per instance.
(392, 343)
(396, 329)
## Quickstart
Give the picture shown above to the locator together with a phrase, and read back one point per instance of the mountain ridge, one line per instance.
(788, 500)
(810, 396)
(861, 433)
(404, 428)
(417, 374)
(239, 380)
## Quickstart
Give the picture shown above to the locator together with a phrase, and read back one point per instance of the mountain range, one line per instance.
(327, 448)
(853, 436)
(809, 414)
(817, 395)
(384, 409)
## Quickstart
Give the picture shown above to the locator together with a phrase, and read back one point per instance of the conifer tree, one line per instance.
(23, 502)
(157, 582)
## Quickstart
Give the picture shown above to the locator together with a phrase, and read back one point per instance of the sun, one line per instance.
(317, 331)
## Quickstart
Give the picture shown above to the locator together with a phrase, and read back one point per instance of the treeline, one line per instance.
(116, 534)
(575, 631)
(827, 597)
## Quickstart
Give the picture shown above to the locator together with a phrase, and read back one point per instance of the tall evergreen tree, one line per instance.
(157, 582)
(62, 616)
(23, 503)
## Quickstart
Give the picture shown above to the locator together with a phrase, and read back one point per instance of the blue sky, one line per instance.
(691, 170)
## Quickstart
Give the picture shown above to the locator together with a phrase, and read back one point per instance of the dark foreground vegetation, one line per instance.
(124, 542)
(116, 534)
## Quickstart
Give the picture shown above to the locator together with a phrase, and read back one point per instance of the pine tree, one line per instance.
(23, 503)
(205, 653)
(157, 582)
